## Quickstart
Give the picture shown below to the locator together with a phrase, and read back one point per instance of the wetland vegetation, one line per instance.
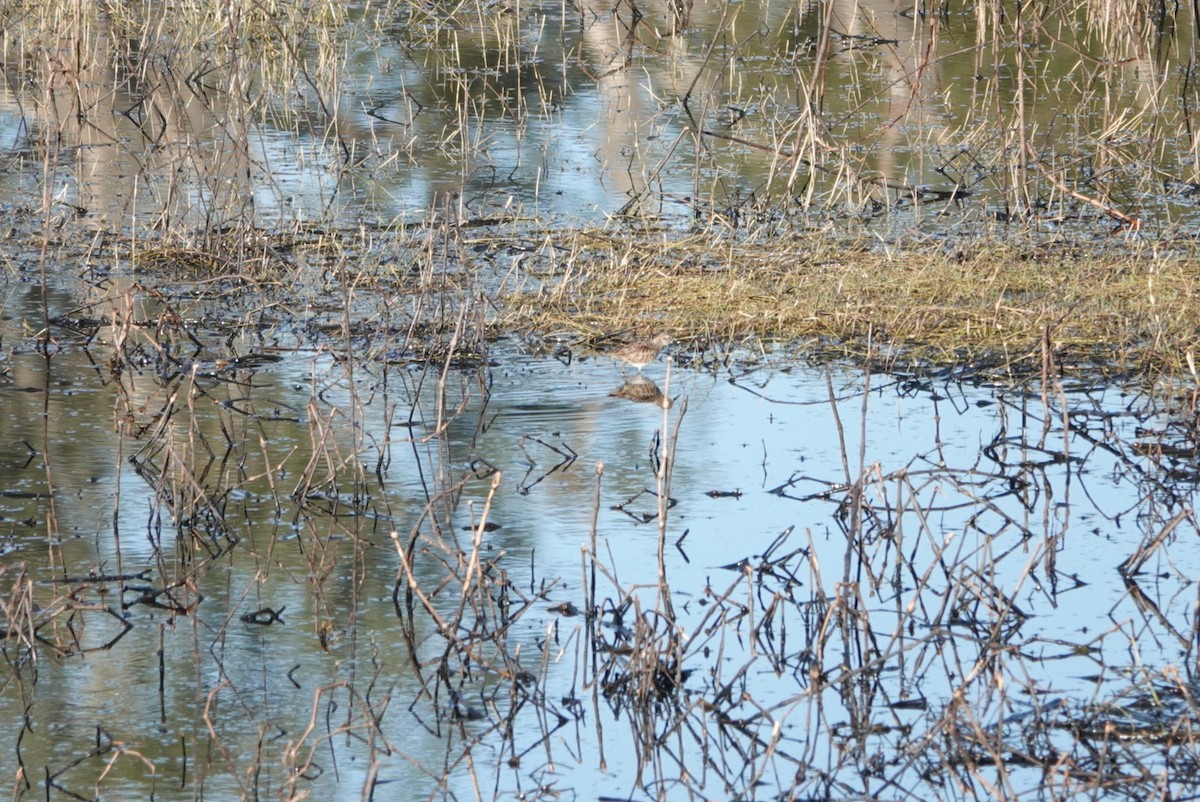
(318, 479)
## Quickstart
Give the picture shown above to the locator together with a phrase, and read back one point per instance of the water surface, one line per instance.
(850, 559)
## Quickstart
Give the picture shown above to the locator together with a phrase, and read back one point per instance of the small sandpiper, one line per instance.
(641, 353)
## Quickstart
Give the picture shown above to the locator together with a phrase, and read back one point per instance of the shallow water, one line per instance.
(863, 114)
(870, 586)
(971, 587)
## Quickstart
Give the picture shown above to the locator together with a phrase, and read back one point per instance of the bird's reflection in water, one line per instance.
(640, 390)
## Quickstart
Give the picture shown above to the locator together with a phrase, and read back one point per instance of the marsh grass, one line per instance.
(989, 304)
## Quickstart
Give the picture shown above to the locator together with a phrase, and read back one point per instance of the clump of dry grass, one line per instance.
(1140, 310)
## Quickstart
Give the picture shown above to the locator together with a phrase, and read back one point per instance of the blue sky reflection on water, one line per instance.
(938, 444)
(970, 505)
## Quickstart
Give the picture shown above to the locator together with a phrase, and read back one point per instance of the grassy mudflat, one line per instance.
(1125, 312)
(181, 133)
(1002, 308)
